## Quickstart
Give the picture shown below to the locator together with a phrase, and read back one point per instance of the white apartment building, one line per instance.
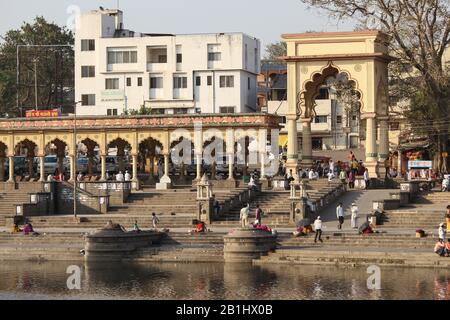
(117, 69)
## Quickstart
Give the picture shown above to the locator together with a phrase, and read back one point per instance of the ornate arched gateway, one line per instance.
(362, 56)
(132, 132)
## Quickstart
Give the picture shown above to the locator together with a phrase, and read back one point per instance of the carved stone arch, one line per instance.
(34, 138)
(6, 141)
(176, 135)
(67, 139)
(311, 87)
(99, 138)
(113, 138)
(157, 136)
(59, 144)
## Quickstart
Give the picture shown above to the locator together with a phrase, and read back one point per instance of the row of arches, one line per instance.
(148, 159)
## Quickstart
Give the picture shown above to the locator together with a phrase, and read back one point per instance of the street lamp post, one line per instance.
(74, 165)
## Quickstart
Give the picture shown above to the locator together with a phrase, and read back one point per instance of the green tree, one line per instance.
(275, 50)
(420, 32)
(55, 67)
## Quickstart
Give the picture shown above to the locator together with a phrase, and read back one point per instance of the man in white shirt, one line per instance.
(311, 175)
(318, 229)
(244, 215)
(119, 176)
(366, 178)
(127, 176)
(331, 166)
(340, 215)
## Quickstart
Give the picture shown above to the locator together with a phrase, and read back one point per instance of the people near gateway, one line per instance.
(50, 178)
(340, 215)
(318, 229)
(447, 218)
(330, 176)
(446, 183)
(28, 229)
(15, 228)
(354, 217)
(252, 183)
(127, 176)
(119, 176)
(366, 178)
(331, 166)
(343, 176)
(312, 175)
(243, 215)
(80, 177)
(200, 227)
(351, 180)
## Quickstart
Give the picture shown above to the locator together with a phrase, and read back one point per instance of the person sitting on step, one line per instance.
(439, 248)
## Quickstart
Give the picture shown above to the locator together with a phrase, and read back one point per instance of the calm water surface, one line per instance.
(30, 280)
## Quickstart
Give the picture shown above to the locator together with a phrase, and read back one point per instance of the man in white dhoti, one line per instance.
(354, 218)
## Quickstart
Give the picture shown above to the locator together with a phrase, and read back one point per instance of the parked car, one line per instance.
(112, 165)
(51, 164)
(20, 165)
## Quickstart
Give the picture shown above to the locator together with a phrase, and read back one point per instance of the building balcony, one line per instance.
(156, 67)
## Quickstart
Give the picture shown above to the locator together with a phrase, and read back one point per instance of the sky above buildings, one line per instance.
(264, 19)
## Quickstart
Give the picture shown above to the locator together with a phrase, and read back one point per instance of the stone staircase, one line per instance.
(426, 212)
(7, 202)
(276, 204)
(355, 257)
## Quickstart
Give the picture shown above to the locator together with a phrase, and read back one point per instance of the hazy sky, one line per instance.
(264, 19)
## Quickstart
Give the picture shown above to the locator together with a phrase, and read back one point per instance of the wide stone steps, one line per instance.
(327, 256)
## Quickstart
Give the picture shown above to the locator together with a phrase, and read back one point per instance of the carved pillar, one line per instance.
(371, 145)
(292, 153)
(11, 169)
(72, 169)
(103, 177)
(42, 168)
(135, 169)
(306, 143)
(230, 166)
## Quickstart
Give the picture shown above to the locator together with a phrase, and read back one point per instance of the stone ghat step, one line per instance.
(343, 257)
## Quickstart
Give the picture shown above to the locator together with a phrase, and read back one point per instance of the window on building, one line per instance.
(157, 111)
(179, 82)
(316, 143)
(112, 84)
(226, 109)
(394, 125)
(111, 112)
(209, 80)
(87, 45)
(338, 119)
(139, 82)
(180, 111)
(116, 57)
(198, 81)
(87, 71)
(88, 99)
(320, 119)
(283, 120)
(179, 57)
(198, 110)
(156, 82)
(214, 56)
(128, 82)
(226, 81)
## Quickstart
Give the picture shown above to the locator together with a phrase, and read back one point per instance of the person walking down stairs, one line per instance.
(340, 215)
(318, 229)
(244, 215)
(355, 211)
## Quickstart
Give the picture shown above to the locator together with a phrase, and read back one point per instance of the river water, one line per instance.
(201, 281)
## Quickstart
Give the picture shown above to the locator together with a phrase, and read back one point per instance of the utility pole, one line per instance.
(35, 84)
(74, 168)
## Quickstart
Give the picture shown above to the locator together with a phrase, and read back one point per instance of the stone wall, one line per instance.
(118, 192)
(87, 203)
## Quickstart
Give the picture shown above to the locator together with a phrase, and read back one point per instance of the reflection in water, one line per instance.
(31, 280)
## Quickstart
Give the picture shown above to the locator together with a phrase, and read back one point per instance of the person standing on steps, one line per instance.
(155, 221)
(355, 211)
(318, 229)
(340, 215)
(258, 215)
(244, 215)
(366, 178)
